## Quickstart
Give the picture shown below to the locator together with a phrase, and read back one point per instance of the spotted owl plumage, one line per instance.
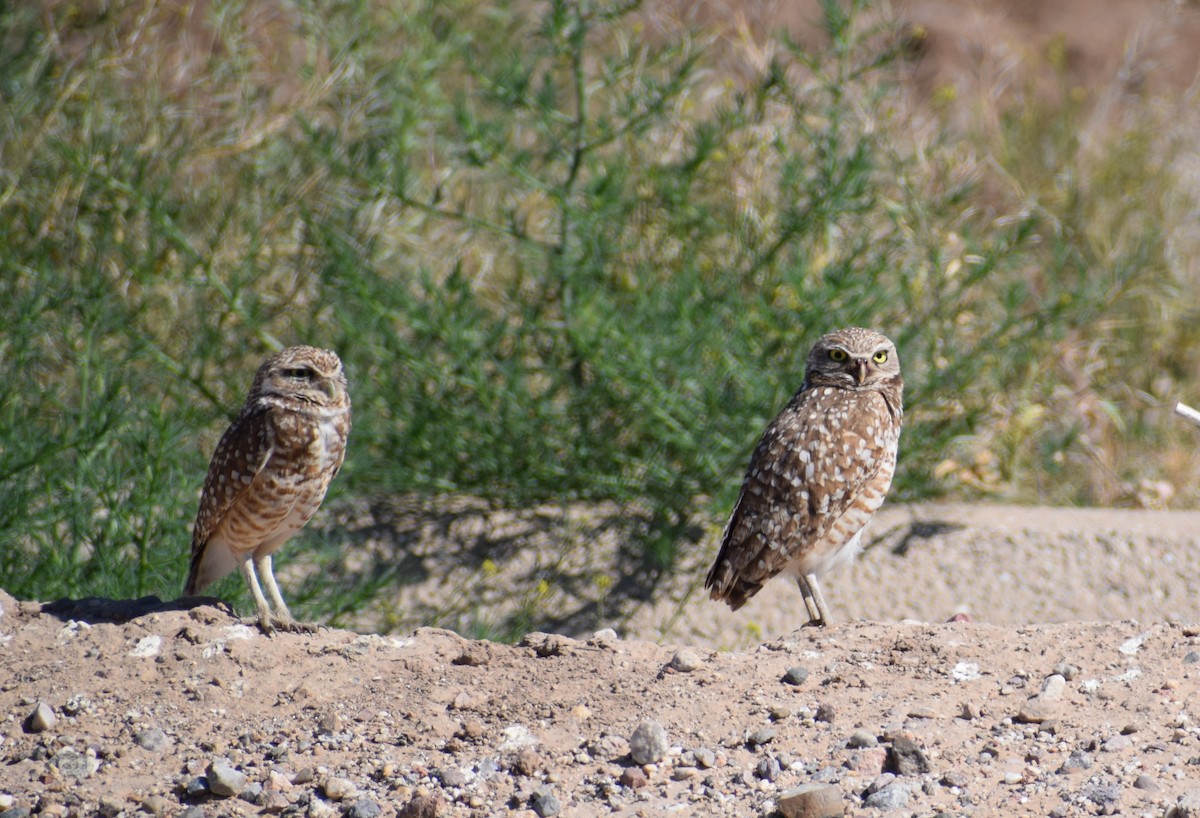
(819, 473)
(270, 472)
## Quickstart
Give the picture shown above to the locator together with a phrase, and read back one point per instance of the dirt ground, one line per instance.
(1047, 698)
(1067, 684)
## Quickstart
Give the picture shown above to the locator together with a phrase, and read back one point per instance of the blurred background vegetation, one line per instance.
(567, 253)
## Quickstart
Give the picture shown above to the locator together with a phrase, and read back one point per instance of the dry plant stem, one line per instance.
(1183, 410)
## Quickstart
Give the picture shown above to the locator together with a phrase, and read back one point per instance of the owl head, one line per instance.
(853, 358)
(308, 374)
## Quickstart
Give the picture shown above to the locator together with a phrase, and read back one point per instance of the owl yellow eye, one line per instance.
(880, 356)
(837, 354)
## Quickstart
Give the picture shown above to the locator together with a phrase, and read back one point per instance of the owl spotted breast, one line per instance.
(270, 473)
(819, 473)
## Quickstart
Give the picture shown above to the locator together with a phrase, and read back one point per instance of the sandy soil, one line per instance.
(114, 707)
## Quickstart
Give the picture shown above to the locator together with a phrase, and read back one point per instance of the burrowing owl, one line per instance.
(819, 473)
(270, 473)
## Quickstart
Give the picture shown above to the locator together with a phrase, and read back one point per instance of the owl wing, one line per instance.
(241, 454)
(799, 483)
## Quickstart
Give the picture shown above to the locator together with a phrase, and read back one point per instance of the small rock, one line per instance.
(825, 713)
(683, 773)
(336, 788)
(953, 778)
(40, 719)
(1013, 778)
(1192, 657)
(686, 660)
(16, 812)
(528, 762)
(634, 778)
(545, 803)
(761, 736)
(870, 761)
(155, 805)
(252, 794)
(363, 808)
(1188, 806)
(1103, 795)
(705, 758)
(154, 740)
(194, 811)
(422, 805)
(1067, 670)
(1035, 711)
(1053, 687)
(109, 807)
(1129, 729)
(648, 744)
(767, 769)
(906, 758)
(275, 803)
(861, 739)
(892, 796)
(195, 787)
(328, 724)
(72, 764)
(223, 779)
(317, 808)
(1115, 744)
(452, 777)
(795, 675)
(811, 801)
(1078, 760)
(1145, 782)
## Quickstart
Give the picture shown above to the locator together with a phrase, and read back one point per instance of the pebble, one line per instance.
(1013, 777)
(1078, 760)
(763, 735)
(686, 660)
(648, 744)
(155, 805)
(1116, 744)
(528, 762)
(825, 713)
(422, 805)
(767, 769)
(194, 811)
(684, 773)
(870, 761)
(811, 801)
(196, 787)
(953, 778)
(795, 675)
(634, 778)
(40, 719)
(1145, 782)
(545, 803)
(320, 809)
(1066, 670)
(892, 796)
(72, 764)
(223, 779)
(861, 739)
(363, 808)
(336, 788)
(906, 758)
(1192, 657)
(16, 812)
(452, 777)
(779, 712)
(154, 740)
(705, 758)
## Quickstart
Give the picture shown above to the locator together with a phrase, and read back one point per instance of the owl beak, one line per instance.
(860, 370)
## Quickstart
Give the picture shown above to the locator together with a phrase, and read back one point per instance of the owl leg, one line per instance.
(818, 611)
(283, 618)
(260, 602)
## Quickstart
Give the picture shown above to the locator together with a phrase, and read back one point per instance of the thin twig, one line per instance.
(1183, 410)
